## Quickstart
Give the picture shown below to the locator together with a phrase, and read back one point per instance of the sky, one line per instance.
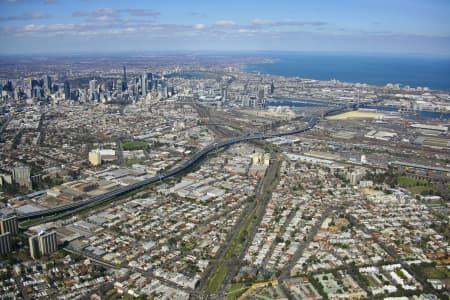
(109, 26)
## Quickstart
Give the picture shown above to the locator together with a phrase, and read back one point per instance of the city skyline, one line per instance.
(235, 150)
(59, 26)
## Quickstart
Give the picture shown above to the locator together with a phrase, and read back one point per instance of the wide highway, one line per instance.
(311, 121)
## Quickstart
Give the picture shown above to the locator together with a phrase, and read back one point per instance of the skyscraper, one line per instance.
(163, 89)
(47, 84)
(224, 93)
(149, 81)
(260, 93)
(144, 84)
(9, 225)
(124, 80)
(67, 90)
(36, 90)
(92, 89)
(5, 243)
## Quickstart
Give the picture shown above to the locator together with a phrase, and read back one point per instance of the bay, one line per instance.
(415, 71)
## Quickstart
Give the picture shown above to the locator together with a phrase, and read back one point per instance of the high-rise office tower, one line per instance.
(144, 84)
(30, 83)
(163, 89)
(5, 243)
(260, 93)
(92, 89)
(9, 225)
(224, 93)
(37, 92)
(149, 81)
(124, 80)
(136, 88)
(47, 84)
(67, 90)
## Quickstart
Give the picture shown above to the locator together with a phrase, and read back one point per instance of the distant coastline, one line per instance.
(420, 114)
(433, 73)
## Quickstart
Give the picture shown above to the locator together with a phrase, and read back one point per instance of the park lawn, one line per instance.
(131, 162)
(407, 181)
(134, 145)
(414, 185)
(215, 282)
(33, 222)
(437, 272)
(419, 189)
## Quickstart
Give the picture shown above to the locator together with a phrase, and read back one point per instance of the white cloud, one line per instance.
(243, 30)
(267, 22)
(105, 18)
(109, 12)
(103, 12)
(141, 12)
(262, 22)
(225, 23)
(199, 26)
(26, 17)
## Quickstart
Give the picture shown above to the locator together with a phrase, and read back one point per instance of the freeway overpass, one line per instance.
(93, 201)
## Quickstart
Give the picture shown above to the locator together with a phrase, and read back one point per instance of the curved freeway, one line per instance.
(86, 203)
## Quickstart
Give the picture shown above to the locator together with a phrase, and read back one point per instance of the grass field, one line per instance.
(407, 181)
(35, 221)
(356, 115)
(414, 185)
(134, 145)
(438, 272)
(134, 161)
(215, 281)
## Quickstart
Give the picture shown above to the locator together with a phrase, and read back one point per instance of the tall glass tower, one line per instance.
(124, 80)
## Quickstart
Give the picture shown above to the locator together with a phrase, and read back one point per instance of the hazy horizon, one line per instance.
(229, 53)
(373, 27)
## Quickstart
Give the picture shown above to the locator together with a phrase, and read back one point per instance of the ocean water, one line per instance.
(415, 71)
